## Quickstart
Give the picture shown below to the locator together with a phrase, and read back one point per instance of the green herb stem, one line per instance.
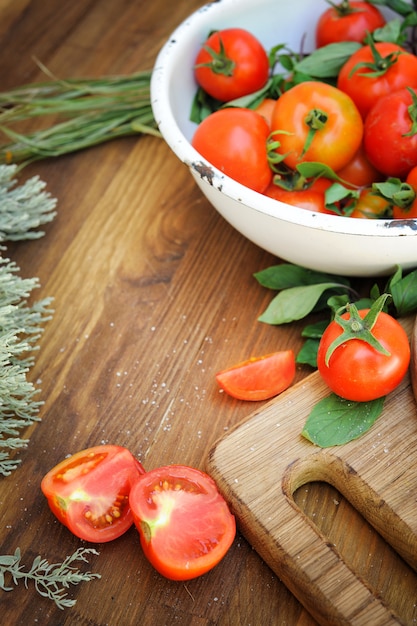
(51, 580)
(80, 112)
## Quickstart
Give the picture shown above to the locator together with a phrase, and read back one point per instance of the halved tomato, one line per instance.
(184, 523)
(89, 492)
(259, 378)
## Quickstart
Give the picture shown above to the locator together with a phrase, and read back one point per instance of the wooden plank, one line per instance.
(376, 473)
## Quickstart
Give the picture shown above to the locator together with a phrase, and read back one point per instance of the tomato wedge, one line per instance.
(259, 378)
(184, 523)
(89, 492)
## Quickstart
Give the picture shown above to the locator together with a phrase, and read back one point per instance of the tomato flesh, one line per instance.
(259, 378)
(356, 371)
(184, 523)
(89, 492)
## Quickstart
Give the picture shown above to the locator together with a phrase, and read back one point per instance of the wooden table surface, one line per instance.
(153, 294)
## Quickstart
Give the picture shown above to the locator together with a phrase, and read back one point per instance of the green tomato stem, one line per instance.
(356, 327)
(315, 120)
(220, 63)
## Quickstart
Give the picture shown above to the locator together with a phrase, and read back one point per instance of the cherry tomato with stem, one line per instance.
(363, 355)
(89, 492)
(390, 133)
(184, 523)
(259, 378)
(347, 21)
(234, 140)
(265, 109)
(314, 121)
(376, 70)
(232, 63)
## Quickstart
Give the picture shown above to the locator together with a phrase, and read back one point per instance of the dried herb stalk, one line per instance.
(78, 113)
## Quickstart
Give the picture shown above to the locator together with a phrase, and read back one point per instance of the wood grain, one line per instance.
(377, 474)
(153, 294)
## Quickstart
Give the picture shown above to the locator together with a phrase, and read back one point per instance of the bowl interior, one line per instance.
(173, 88)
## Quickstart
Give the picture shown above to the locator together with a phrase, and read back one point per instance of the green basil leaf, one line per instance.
(337, 192)
(398, 6)
(286, 275)
(308, 353)
(315, 331)
(294, 303)
(316, 169)
(336, 302)
(392, 32)
(327, 61)
(335, 421)
(202, 106)
(404, 294)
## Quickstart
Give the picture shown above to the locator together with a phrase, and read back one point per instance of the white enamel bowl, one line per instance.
(351, 247)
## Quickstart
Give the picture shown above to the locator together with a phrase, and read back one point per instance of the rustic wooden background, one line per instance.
(153, 294)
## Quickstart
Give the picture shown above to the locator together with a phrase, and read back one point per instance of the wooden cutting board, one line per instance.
(263, 461)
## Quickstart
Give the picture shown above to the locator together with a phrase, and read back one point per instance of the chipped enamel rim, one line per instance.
(172, 88)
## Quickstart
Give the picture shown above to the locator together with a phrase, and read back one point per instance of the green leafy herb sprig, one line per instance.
(301, 292)
(78, 113)
(22, 210)
(51, 580)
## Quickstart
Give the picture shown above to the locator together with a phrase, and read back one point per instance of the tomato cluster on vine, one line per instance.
(340, 141)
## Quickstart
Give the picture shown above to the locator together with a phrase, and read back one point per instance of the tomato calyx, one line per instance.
(274, 157)
(379, 65)
(184, 523)
(315, 120)
(344, 8)
(220, 63)
(356, 327)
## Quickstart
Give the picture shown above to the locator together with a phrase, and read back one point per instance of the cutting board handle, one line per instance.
(261, 463)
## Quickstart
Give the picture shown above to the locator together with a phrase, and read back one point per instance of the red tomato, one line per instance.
(235, 141)
(259, 378)
(356, 371)
(347, 21)
(303, 198)
(390, 136)
(184, 523)
(89, 492)
(317, 111)
(265, 109)
(395, 67)
(232, 63)
(360, 172)
(372, 206)
(410, 211)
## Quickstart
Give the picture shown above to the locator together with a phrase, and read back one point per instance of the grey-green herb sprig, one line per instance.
(51, 580)
(21, 326)
(77, 113)
(22, 210)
